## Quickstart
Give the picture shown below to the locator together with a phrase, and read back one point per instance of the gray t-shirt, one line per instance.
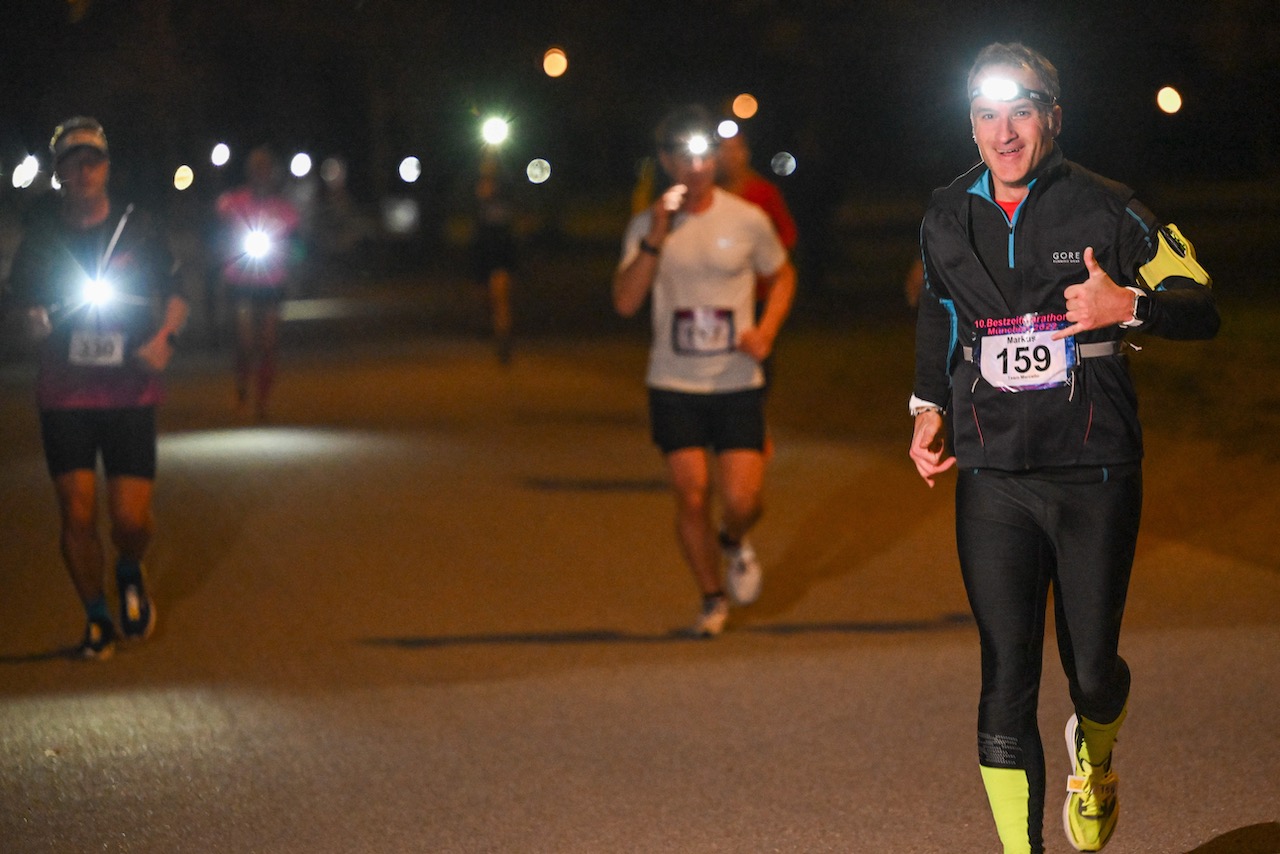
(704, 294)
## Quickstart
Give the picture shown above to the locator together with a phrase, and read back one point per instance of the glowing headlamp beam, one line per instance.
(98, 292)
(257, 244)
(698, 145)
(1004, 89)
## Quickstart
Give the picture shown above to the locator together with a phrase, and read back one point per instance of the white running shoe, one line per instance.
(715, 613)
(744, 575)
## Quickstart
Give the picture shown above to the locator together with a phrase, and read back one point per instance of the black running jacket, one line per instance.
(981, 267)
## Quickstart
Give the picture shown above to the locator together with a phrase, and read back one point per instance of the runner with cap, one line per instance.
(100, 292)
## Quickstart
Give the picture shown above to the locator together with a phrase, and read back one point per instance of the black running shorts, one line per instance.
(722, 421)
(126, 439)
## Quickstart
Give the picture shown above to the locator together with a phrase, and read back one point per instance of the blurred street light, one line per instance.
(538, 171)
(495, 130)
(1169, 100)
(24, 174)
(410, 169)
(783, 164)
(745, 106)
(554, 62)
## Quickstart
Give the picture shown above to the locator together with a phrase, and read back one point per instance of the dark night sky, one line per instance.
(866, 94)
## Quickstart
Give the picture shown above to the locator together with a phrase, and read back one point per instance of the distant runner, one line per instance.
(697, 252)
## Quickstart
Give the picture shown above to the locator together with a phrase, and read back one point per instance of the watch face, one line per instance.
(1142, 308)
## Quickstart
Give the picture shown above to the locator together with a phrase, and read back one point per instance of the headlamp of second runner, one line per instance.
(1004, 89)
(696, 144)
(257, 244)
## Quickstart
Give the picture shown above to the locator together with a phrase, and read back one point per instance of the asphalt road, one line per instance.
(435, 605)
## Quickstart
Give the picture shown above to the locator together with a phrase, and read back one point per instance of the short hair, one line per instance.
(1017, 55)
(682, 123)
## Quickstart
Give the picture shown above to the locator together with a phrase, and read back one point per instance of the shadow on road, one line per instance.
(1254, 839)
(589, 636)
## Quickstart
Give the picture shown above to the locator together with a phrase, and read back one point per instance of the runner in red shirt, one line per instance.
(257, 252)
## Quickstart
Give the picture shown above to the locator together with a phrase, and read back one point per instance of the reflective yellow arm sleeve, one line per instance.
(1175, 256)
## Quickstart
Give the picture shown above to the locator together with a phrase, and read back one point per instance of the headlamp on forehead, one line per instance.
(1004, 89)
(697, 144)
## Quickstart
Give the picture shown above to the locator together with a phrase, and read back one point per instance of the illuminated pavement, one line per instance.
(436, 605)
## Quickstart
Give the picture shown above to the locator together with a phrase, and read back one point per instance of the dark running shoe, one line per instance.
(137, 611)
(714, 614)
(99, 642)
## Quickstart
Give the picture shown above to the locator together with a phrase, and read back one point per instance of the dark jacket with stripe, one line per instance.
(979, 266)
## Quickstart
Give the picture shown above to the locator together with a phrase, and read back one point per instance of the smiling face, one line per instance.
(1013, 137)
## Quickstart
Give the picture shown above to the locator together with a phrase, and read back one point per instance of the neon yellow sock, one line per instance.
(1099, 739)
(1008, 793)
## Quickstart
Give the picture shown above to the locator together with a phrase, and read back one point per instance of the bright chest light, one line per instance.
(257, 244)
(98, 292)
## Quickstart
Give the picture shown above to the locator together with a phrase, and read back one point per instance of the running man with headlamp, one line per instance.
(92, 277)
(257, 254)
(697, 253)
(1035, 270)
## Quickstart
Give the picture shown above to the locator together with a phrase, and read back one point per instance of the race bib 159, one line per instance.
(1019, 353)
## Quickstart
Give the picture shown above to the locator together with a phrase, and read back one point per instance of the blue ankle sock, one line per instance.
(97, 610)
(128, 569)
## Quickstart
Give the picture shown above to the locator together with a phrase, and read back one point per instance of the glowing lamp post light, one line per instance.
(745, 105)
(555, 62)
(783, 164)
(410, 169)
(24, 174)
(1169, 100)
(300, 165)
(494, 131)
(538, 171)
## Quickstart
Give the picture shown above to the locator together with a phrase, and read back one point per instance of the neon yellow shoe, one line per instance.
(1093, 801)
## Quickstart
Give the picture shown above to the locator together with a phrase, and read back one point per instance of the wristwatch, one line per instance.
(1141, 309)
